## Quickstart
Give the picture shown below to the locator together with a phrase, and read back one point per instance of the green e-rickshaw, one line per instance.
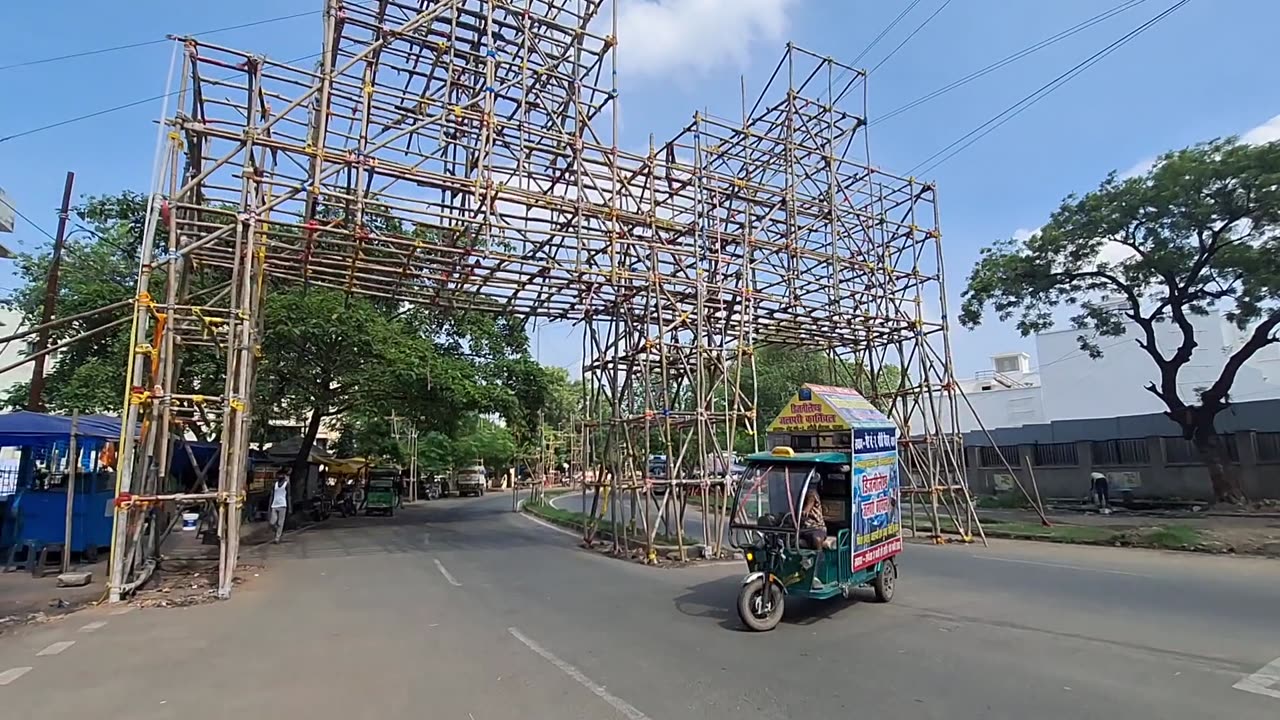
(858, 546)
(381, 491)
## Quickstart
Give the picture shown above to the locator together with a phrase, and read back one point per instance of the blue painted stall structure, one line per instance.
(36, 512)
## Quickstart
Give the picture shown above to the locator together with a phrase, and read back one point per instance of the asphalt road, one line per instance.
(693, 524)
(461, 609)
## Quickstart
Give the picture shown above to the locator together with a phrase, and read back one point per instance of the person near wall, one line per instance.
(279, 504)
(1100, 492)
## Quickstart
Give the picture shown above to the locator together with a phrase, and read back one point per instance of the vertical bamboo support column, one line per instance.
(240, 342)
(699, 325)
(130, 469)
(951, 437)
(168, 363)
(319, 131)
(73, 465)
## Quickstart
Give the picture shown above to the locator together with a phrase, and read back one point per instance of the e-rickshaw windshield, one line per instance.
(769, 496)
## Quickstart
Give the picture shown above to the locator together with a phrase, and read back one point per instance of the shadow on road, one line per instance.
(717, 600)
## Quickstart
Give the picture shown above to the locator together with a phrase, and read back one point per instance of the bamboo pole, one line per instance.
(73, 464)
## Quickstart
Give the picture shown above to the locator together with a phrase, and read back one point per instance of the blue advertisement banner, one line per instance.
(877, 516)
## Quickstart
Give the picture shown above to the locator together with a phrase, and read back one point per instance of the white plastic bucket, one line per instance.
(189, 521)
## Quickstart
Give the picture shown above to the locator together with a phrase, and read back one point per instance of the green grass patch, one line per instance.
(578, 521)
(1163, 537)
(1002, 501)
(1168, 537)
(695, 499)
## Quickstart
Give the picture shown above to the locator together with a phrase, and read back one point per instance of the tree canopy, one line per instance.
(99, 267)
(1195, 235)
(781, 370)
(325, 354)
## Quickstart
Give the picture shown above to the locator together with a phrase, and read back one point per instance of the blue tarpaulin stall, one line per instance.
(37, 511)
(23, 428)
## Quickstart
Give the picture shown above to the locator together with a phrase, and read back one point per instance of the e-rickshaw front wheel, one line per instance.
(760, 604)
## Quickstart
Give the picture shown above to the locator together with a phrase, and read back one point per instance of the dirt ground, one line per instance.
(24, 599)
(187, 576)
(1243, 533)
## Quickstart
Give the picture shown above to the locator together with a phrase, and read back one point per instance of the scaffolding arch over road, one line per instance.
(464, 154)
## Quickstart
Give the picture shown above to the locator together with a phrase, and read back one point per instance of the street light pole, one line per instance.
(35, 394)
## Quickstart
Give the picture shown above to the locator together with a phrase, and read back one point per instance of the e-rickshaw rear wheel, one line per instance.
(885, 581)
(760, 604)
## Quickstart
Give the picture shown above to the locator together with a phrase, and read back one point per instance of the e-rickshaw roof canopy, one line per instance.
(832, 458)
(826, 408)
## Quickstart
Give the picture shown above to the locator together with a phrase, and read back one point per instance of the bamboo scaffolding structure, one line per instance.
(463, 154)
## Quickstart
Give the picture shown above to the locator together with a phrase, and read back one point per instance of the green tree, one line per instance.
(781, 370)
(99, 268)
(486, 441)
(325, 354)
(1199, 234)
(435, 452)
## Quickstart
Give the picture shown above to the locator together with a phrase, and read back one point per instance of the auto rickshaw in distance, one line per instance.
(380, 494)
(860, 537)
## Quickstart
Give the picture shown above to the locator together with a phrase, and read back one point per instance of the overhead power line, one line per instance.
(1051, 40)
(124, 106)
(885, 31)
(30, 222)
(79, 227)
(907, 39)
(157, 41)
(986, 128)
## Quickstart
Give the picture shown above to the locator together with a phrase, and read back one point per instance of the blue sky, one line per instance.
(1206, 71)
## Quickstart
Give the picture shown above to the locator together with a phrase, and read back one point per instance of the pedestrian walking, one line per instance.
(279, 503)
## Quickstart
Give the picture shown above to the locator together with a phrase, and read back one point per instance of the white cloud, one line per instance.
(1142, 167)
(665, 36)
(1114, 253)
(1111, 252)
(1264, 133)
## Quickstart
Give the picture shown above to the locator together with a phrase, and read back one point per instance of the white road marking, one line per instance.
(546, 524)
(122, 611)
(1262, 682)
(12, 674)
(452, 580)
(57, 647)
(618, 703)
(95, 625)
(1062, 566)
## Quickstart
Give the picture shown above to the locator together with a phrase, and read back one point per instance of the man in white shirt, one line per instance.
(279, 503)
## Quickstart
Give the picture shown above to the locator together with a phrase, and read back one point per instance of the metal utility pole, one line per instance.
(412, 465)
(35, 394)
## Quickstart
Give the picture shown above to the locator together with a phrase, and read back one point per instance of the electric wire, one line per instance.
(157, 41)
(1009, 59)
(907, 39)
(986, 128)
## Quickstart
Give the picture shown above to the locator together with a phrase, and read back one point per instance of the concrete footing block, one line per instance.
(75, 579)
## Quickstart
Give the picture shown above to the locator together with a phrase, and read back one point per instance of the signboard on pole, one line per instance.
(7, 215)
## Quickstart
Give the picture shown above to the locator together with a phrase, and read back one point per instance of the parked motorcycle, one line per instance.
(345, 502)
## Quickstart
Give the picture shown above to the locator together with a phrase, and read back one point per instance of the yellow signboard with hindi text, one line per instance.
(808, 415)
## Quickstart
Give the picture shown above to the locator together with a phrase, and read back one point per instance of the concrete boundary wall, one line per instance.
(1143, 455)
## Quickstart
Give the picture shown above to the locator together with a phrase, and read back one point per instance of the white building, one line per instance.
(11, 352)
(1069, 385)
